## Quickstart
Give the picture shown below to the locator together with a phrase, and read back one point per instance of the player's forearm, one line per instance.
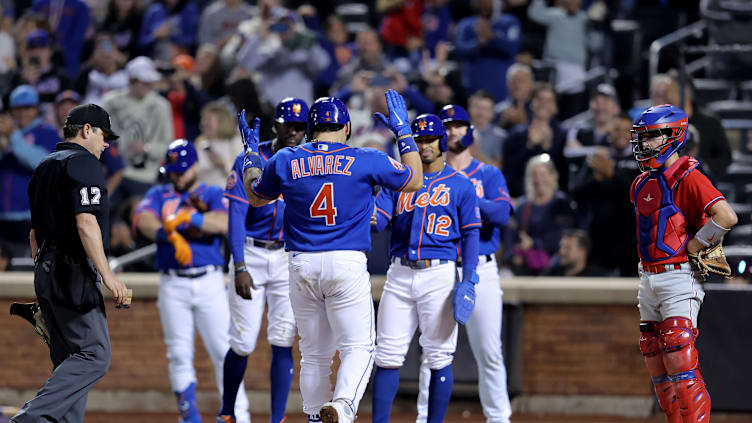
(470, 250)
(236, 230)
(91, 239)
(412, 160)
(723, 214)
(148, 225)
(215, 223)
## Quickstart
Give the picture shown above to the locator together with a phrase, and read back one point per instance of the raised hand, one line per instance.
(397, 121)
(250, 136)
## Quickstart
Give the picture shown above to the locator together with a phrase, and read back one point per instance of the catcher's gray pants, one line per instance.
(80, 352)
(674, 293)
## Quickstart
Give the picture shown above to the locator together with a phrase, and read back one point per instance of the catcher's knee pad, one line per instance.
(681, 360)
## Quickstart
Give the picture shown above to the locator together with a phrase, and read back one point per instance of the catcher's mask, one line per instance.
(666, 123)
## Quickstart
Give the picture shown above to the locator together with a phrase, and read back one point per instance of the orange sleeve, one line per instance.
(694, 196)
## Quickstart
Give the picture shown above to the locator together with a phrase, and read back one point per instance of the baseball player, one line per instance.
(187, 219)
(327, 187)
(484, 325)
(428, 227)
(678, 213)
(261, 276)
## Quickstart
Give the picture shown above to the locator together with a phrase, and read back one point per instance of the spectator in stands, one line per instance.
(567, 42)
(218, 145)
(441, 82)
(286, 55)
(533, 234)
(334, 41)
(38, 70)
(517, 108)
(220, 20)
(486, 46)
(7, 55)
(68, 20)
(144, 121)
(401, 28)
(436, 20)
(186, 99)
(208, 73)
(489, 138)
(604, 107)
(24, 141)
(169, 28)
(6, 254)
(104, 71)
(542, 135)
(123, 21)
(371, 63)
(572, 258)
(601, 189)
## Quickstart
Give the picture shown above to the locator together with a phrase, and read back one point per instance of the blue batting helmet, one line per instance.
(181, 155)
(291, 109)
(667, 122)
(429, 125)
(327, 110)
(455, 113)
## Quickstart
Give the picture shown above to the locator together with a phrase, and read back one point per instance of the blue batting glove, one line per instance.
(250, 136)
(397, 121)
(463, 301)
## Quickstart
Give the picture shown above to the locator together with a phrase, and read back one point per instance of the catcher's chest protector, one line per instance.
(661, 226)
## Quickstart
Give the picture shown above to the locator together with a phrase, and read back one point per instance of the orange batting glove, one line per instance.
(175, 220)
(183, 253)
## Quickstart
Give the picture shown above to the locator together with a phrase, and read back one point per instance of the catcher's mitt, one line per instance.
(710, 260)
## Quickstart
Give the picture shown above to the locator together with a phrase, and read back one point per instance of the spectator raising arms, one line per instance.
(68, 20)
(218, 145)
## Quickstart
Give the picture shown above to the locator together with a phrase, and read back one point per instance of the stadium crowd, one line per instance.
(170, 69)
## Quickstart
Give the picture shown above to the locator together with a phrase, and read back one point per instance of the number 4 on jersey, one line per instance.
(323, 204)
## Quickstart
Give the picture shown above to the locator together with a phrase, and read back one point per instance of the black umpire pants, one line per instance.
(79, 349)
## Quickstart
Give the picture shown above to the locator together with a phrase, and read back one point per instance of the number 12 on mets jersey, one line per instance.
(323, 204)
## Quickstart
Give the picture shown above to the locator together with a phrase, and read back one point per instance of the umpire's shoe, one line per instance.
(32, 314)
(336, 412)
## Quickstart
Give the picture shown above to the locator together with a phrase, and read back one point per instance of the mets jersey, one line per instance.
(494, 203)
(265, 222)
(163, 201)
(328, 190)
(428, 223)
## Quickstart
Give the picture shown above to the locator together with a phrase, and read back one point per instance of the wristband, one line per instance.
(161, 235)
(241, 269)
(197, 220)
(711, 233)
(252, 160)
(406, 144)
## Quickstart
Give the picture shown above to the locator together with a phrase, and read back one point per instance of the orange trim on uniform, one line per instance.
(324, 152)
(253, 189)
(409, 178)
(423, 219)
(235, 197)
(384, 213)
(470, 224)
(480, 165)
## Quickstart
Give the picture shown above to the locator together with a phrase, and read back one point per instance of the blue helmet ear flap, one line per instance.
(444, 143)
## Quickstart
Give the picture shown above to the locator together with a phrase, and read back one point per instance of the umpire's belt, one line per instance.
(269, 245)
(192, 273)
(419, 264)
(660, 268)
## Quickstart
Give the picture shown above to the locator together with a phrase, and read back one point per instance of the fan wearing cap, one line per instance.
(69, 239)
(24, 141)
(188, 220)
(38, 70)
(143, 119)
(604, 108)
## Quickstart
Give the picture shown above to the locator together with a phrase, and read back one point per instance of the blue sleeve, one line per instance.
(216, 201)
(186, 35)
(153, 17)
(466, 41)
(469, 217)
(28, 154)
(389, 173)
(496, 206)
(267, 186)
(417, 100)
(152, 202)
(112, 160)
(383, 209)
(235, 192)
(75, 39)
(507, 37)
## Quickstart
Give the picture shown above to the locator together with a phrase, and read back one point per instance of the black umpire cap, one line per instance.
(94, 116)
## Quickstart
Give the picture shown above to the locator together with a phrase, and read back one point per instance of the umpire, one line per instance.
(70, 232)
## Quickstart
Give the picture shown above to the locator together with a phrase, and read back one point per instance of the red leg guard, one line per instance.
(652, 350)
(681, 361)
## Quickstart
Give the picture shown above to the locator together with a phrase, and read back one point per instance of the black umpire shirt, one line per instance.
(67, 182)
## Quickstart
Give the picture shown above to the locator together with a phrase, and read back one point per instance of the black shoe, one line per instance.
(32, 314)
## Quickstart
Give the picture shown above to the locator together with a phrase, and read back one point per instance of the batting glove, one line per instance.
(183, 253)
(173, 221)
(463, 300)
(397, 121)
(250, 136)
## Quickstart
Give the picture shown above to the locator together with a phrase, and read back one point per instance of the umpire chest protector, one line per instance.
(661, 225)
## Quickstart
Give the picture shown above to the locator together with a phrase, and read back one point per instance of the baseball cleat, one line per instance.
(336, 412)
(32, 314)
(225, 419)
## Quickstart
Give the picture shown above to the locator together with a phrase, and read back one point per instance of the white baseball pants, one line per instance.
(186, 304)
(269, 270)
(674, 293)
(331, 297)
